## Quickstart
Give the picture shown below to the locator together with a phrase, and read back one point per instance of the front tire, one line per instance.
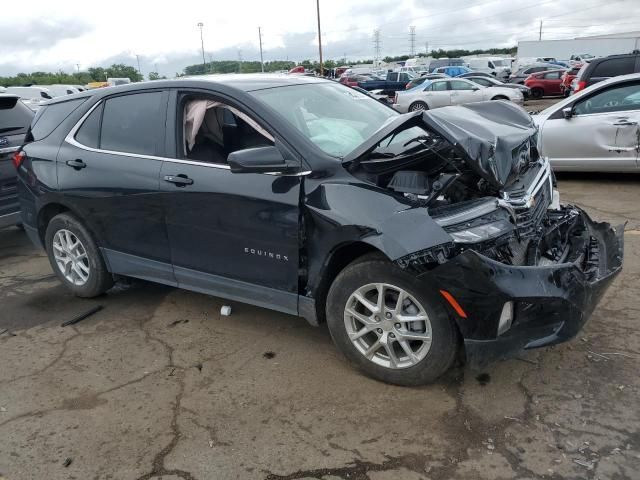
(75, 257)
(415, 106)
(389, 324)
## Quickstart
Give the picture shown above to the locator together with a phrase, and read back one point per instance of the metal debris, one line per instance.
(82, 316)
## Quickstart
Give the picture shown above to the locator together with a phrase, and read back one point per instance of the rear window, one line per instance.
(134, 123)
(614, 67)
(15, 116)
(50, 116)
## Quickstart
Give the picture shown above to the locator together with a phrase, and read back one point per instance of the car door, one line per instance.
(463, 92)
(602, 133)
(551, 83)
(232, 234)
(109, 174)
(437, 94)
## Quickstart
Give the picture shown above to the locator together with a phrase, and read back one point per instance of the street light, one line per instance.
(204, 62)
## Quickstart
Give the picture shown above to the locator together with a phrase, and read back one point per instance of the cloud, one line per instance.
(36, 33)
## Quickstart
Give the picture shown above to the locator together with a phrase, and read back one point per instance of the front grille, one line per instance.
(531, 201)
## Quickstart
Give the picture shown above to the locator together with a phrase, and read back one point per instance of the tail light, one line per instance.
(18, 158)
(580, 86)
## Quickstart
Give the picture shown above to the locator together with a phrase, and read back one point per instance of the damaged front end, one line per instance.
(519, 270)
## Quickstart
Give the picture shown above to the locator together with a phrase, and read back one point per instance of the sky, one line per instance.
(51, 36)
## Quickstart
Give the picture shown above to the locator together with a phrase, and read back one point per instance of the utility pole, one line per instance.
(412, 41)
(239, 61)
(139, 71)
(377, 45)
(210, 63)
(540, 32)
(78, 67)
(319, 39)
(204, 62)
(261, 59)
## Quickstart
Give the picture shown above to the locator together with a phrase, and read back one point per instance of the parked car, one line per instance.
(32, 96)
(519, 76)
(58, 89)
(494, 66)
(581, 58)
(596, 129)
(445, 62)
(602, 68)
(303, 196)
(545, 84)
(475, 74)
(445, 92)
(489, 81)
(15, 118)
(394, 81)
(567, 79)
(452, 71)
(353, 80)
(420, 80)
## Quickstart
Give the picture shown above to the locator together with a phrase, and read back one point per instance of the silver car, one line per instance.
(451, 91)
(596, 129)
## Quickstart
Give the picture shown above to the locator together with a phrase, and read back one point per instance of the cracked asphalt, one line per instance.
(158, 385)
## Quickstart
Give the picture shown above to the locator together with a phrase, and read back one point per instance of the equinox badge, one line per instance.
(264, 253)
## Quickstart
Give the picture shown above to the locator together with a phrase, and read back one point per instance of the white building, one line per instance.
(597, 45)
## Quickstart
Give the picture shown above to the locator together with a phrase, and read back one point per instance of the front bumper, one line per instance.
(552, 303)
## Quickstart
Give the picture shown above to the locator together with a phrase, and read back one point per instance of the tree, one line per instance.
(154, 76)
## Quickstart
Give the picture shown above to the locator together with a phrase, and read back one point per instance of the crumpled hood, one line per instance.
(495, 138)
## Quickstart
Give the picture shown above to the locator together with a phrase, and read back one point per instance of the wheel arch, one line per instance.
(50, 210)
(337, 259)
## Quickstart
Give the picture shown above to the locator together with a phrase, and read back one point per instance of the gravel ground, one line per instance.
(159, 385)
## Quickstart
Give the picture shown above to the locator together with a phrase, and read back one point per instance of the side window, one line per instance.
(618, 98)
(89, 132)
(50, 116)
(614, 67)
(490, 65)
(134, 124)
(482, 81)
(212, 130)
(458, 85)
(552, 76)
(439, 86)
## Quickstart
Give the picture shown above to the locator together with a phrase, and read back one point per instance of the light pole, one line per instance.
(204, 62)
(139, 71)
(319, 39)
(260, 39)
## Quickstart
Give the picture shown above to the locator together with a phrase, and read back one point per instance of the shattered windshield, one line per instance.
(334, 117)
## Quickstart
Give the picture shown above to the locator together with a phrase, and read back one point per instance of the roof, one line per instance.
(246, 82)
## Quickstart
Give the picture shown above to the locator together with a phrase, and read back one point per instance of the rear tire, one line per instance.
(537, 93)
(75, 257)
(415, 106)
(432, 341)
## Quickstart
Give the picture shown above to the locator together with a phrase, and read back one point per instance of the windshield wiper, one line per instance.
(419, 138)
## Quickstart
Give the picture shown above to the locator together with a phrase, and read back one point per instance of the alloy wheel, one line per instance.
(71, 257)
(388, 325)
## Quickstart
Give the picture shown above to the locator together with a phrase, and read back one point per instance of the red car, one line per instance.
(353, 80)
(567, 78)
(544, 84)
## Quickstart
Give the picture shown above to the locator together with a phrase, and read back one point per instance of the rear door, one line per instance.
(109, 171)
(551, 82)
(15, 118)
(602, 134)
(464, 92)
(437, 94)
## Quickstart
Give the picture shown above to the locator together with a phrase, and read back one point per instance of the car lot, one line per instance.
(159, 385)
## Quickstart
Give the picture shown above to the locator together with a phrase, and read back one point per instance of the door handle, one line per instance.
(77, 164)
(625, 123)
(179, 180)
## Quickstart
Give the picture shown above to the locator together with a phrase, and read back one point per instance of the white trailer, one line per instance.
(599, 46)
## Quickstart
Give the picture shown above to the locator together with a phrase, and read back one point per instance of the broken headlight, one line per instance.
(482, 233)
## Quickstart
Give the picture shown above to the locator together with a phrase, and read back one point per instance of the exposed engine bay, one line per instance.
(490, 191)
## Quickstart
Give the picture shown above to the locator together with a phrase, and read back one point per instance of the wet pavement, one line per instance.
(159, 385)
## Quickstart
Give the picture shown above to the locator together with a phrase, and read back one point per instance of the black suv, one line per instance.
(412, 236)
(600, 69)
(15, 118)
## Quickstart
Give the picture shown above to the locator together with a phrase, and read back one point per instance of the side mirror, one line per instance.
(567, 112)
(259, 160)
